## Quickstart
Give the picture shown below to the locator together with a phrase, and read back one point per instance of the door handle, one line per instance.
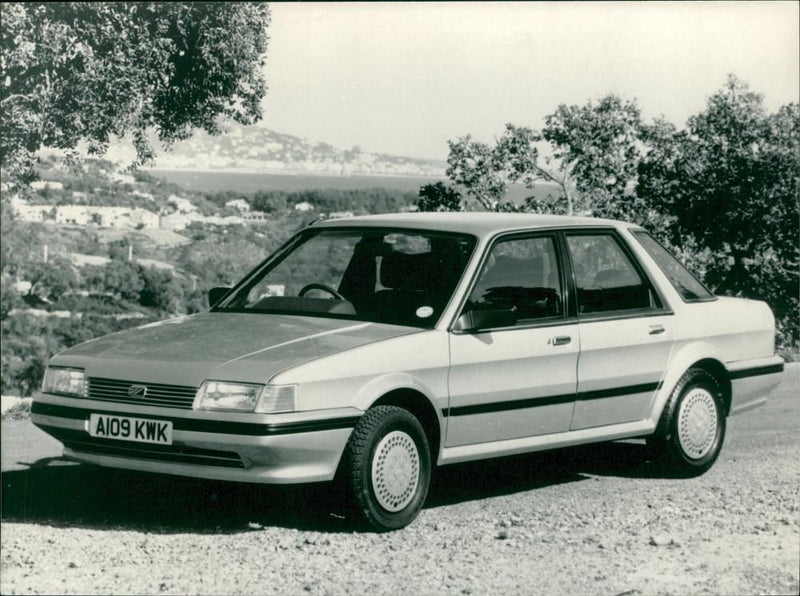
(656, 329)
(559, 340)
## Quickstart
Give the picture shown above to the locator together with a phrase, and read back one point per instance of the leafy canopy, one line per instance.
(83, 71)
(486, 172)
(724, 192)
(731, 183)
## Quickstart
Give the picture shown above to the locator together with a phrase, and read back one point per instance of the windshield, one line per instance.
(400, 277)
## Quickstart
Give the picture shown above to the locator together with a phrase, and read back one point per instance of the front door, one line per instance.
(519, 380)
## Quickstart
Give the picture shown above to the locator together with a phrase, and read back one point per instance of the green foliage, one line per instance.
(731, 183)
(439, 197)
(724, 194)
(159, 290)
(270, 202)
(80, 71)
(124, 280)
(599, 146)
(30, 341)
(486, 172)
(328, 200)
(52, 279)
(9, 297)
(736, 162)
(221, 255)
(24, 352)
(118, 249)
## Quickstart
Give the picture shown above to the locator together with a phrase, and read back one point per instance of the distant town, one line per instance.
(177, 215)
(255, 149)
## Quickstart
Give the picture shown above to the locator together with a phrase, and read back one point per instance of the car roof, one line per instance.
(478, 224)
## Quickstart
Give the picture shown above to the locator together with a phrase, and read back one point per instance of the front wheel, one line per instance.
(692, 427)
(386, 467)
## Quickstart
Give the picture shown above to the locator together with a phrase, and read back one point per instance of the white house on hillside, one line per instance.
(256, 216)
(106, 217)
(181, 204)
(85, 215)
(239, 204)
(42, 184)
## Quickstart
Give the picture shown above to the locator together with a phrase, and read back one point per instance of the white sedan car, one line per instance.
(369, 350)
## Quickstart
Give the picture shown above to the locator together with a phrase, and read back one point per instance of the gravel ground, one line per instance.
(592, 520)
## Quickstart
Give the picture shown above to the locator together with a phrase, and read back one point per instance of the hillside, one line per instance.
(260, 150)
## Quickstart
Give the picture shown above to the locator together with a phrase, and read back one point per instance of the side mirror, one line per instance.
(216, 294)
(477, 320)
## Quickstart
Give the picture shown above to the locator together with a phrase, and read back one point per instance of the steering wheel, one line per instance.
(307, 288)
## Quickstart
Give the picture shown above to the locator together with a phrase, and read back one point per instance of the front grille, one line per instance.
(80, 442)
(169, 396)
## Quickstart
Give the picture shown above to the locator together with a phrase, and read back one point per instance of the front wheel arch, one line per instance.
(385, 471)
(422, 409)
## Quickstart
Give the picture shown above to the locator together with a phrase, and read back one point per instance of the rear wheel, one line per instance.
(386, 467)
(692, 427)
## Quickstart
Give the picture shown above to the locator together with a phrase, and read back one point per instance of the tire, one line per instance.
(692, 427)
(386, 468)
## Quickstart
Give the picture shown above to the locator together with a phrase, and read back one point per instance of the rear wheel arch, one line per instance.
(717, 370)
(713, 367)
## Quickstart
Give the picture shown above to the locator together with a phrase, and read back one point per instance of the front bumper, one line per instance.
(244, 447)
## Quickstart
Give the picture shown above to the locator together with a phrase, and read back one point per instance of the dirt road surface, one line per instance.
(591, 520)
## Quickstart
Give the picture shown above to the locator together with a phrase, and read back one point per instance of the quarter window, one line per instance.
(522, 274)
(687, 285)
(605, 277)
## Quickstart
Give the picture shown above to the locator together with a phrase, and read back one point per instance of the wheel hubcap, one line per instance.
(395, 471)
(697, 423)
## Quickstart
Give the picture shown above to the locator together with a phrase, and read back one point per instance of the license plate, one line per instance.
(140, 430)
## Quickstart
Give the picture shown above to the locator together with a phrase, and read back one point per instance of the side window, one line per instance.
(523, 274)
(604, 275)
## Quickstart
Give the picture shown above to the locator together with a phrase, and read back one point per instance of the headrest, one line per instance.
(509, 271)
(616, 278)
(409, 272)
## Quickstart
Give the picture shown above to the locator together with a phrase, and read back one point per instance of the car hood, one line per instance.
(226, 346)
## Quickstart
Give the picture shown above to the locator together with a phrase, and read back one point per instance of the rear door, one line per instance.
(519, 380)
(626, 331)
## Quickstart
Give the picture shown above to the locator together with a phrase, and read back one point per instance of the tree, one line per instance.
(160, 290)
(486, 173)
(52, 279)
(26, 347)
(123, 279)
(598, 148)
(439, 197)
(9, 297)
(731, 183)
(83, 71)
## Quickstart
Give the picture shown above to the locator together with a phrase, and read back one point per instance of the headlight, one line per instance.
(245, 397)
(278, 398)
(220, 395)
(64, 381)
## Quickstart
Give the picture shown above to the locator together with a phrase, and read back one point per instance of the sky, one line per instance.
(403, 78)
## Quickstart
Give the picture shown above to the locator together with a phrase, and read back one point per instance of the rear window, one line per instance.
(687, 285)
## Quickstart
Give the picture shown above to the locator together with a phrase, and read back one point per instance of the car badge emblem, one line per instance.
(137, 391)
